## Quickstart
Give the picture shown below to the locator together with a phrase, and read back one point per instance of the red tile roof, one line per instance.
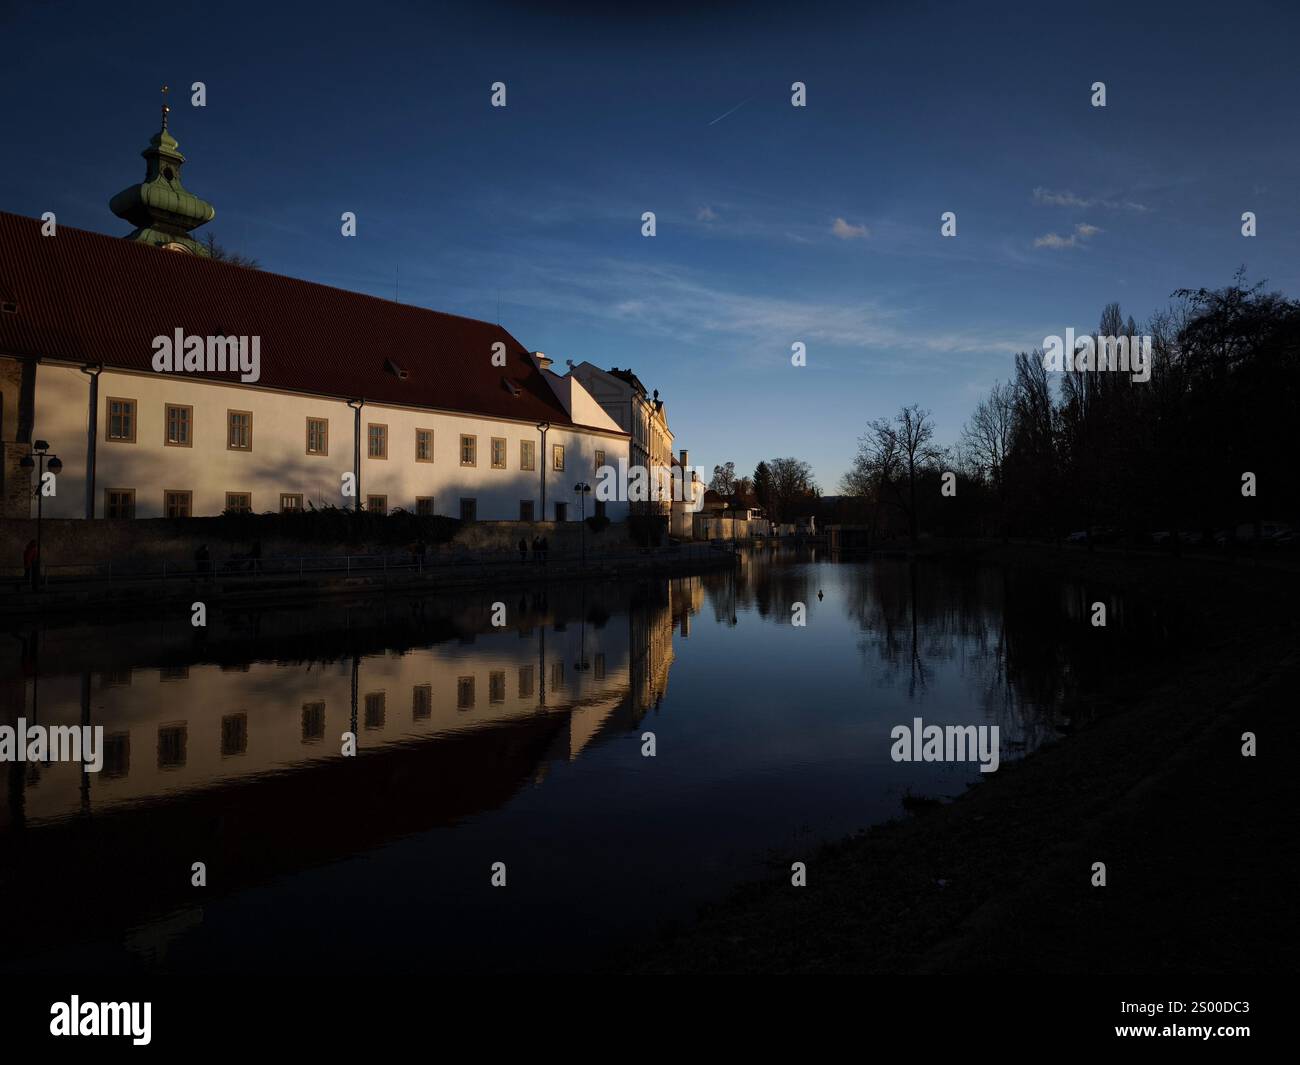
(86, 297)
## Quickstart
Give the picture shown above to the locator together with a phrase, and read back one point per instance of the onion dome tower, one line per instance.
(162, 212)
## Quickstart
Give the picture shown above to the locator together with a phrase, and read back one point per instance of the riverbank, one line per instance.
(1195, 837)
(345, 578)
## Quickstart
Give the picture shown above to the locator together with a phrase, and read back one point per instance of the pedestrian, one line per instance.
(537, 549)
(546, 549)
(421, 549)
(31, 565)
(523, 549)
(202, 565)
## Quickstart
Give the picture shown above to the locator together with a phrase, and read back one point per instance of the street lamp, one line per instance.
(541, 465)
(582, 488)
(43, 461)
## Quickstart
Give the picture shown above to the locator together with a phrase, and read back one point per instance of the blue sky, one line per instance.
(531, 214)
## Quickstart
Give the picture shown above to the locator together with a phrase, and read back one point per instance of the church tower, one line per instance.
(162, 212)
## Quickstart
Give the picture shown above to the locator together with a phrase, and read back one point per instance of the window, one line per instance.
(424, 506)
(557, 457)
(177, 504)
(421, 702)
(377, 440)
(290, 502)
(525, 682)
(464, 693)
(497, 686)
(171, 746)
(376, 708)
(561, 511)
(119, 503)
(180, 422)
(600, 461)
(239, 502)
(377, 504)
(424, 445)
(557, 675)
(121, 420)
(313, 722)
(469, 450)
(498, 453)
(527, 455)
(318, 436)
(525, 510)
(234, 735)
(117, 754)
(239, 430)
(469, 510)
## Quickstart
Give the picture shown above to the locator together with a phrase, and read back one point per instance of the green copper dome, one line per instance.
(160, 208)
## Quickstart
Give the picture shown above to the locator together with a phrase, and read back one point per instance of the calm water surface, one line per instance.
(519, 745)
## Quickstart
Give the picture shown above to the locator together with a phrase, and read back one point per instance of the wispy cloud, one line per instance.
(676, 303)
(1082, 233)
(706, 214)
(845, 231)
(1069, 199)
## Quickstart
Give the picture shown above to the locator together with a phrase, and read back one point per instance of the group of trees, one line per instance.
(1049, 452)
(784, 488)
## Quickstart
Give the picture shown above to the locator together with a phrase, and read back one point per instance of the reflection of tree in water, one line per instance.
(764, 583)
(1028, 640)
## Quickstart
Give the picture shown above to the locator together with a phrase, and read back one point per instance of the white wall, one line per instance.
(278, 461)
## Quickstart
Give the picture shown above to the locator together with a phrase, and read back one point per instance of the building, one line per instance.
(340, 399)
(623, 397)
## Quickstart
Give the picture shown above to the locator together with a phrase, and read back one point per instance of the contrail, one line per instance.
(731, 112)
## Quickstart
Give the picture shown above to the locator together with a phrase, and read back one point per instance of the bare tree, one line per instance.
(792, 482)
(223, 255)
(892, 454)
(724, 480)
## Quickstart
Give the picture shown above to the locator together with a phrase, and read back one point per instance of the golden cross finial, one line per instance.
(165, 108)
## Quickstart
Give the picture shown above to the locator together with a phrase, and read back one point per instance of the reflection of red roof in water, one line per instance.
(255, 828)
(86, 297)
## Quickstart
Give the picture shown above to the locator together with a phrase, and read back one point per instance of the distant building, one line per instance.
(624, 399)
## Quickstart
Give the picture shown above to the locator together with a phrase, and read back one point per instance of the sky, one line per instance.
(775, 224)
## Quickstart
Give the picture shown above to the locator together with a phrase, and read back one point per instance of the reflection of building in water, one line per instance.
(173, 729)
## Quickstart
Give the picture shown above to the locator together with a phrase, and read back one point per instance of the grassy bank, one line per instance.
(1198, 841)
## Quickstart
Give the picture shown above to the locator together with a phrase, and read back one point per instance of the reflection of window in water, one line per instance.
(525, 682)
(171, 746)
(464, 693)
(421, 702)
(174, 673)
(557, 674)
(313, 722)
(234, 735)
(560, 626)
(600, 667)
(241, 667)
(497, 687)
(375, 706)
(117, 754)
(112, 678)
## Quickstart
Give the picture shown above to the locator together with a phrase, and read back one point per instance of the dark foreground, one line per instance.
(1197, 840)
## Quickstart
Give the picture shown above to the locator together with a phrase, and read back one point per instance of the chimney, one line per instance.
(542, 360)
(686, 458)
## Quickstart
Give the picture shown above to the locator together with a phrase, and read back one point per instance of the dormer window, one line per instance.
(396, 370)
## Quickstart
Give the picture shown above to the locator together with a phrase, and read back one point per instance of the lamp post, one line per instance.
(582, 488)
(541, 466)
(43, 460)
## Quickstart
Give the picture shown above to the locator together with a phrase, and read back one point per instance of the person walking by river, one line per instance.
(523, 549)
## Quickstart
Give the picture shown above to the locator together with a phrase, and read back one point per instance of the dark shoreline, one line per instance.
(1192, 833)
